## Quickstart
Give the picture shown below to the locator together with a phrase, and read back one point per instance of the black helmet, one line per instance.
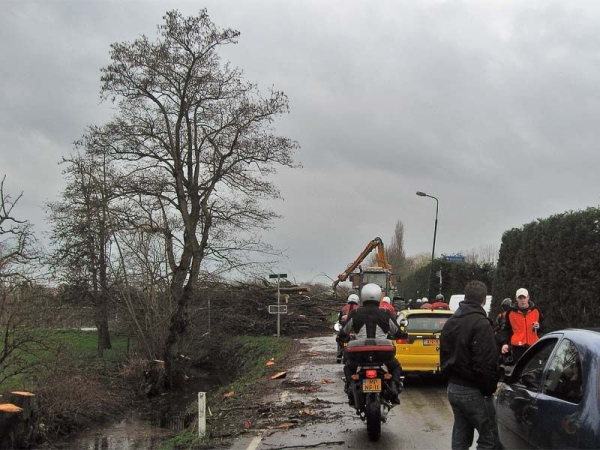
(506, 303)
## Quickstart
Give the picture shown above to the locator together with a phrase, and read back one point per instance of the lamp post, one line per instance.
(423, 194)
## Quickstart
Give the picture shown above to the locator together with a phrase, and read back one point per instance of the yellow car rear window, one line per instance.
(430, 322)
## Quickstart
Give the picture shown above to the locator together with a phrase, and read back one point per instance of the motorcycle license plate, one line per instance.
(431, 342)
(371, 385)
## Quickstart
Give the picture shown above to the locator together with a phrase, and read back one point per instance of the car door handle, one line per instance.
(528, 412)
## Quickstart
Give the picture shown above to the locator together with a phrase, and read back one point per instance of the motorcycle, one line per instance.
(342, 343)
(371, 384)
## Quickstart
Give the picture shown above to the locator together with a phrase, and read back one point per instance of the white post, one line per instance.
(201, 414)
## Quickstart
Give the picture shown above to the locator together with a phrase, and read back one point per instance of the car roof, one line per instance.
(587, 340)
(582, 333)
(408, 312)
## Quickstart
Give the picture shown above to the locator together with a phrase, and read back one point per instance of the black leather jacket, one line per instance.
(370, 322)
(468, 350)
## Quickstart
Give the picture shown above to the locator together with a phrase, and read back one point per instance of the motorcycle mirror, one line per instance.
(337, 326)
(401, 320)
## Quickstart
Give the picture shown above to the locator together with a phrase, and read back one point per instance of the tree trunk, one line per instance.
(101, 321)
(177, 329)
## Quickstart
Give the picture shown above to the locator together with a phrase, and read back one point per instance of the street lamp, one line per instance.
(423, 194)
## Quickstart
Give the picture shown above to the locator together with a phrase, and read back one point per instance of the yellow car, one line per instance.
(420, 353)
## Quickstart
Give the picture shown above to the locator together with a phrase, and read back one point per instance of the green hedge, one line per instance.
(558, 260)
(455, 276)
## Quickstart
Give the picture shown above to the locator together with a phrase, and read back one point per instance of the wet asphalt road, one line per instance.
(422, 421)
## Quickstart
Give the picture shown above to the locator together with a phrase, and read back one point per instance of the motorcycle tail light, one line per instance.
(371, 373)
(401, 341)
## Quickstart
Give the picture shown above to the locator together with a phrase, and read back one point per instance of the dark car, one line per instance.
(552, 397)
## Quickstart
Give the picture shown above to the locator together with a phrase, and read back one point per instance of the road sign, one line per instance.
(277, 309)
(454, 258)
(278, 275)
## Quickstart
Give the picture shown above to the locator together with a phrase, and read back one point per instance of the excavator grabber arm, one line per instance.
(382, 262)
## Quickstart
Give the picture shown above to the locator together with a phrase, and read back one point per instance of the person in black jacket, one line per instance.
(469, 358)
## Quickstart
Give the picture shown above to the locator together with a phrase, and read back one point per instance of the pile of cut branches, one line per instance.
(243, 308)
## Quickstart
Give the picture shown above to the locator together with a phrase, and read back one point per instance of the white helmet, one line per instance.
(353, 298)
(425, 300)
(370, 293)
(386, 300)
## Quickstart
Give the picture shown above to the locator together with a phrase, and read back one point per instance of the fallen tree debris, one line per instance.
(319, 444)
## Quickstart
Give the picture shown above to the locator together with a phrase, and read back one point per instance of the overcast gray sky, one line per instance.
(490, 106)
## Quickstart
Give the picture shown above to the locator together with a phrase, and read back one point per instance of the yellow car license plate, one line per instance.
(431, 342)
(371, 385)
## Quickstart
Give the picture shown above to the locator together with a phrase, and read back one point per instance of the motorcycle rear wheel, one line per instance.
(373, 416)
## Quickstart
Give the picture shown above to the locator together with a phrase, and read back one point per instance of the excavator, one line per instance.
(381, 274)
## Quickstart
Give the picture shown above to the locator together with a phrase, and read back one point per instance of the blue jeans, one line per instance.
(472, 411)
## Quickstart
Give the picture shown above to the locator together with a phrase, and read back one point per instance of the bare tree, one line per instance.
(196, 140)
(415, 262)
(82, 230)
(485, 254)
(395, 251)
(17, 251)
(16, 238)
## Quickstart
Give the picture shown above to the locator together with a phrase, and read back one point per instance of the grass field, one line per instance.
(63, 349)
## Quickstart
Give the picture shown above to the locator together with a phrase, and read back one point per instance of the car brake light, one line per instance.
(401, 341)
(371, 373)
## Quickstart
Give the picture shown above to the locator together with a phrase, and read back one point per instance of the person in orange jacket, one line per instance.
(521, 325)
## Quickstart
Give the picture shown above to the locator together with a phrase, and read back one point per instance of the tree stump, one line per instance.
(24, 422)
(9, 421)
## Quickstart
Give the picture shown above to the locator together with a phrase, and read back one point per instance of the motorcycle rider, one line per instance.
(351, 305)
(439, 302)
(501, 317)
(499, 326)
(387, 305)
(371, 322)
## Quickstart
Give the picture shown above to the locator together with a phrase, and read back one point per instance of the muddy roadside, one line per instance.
(307, 407)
